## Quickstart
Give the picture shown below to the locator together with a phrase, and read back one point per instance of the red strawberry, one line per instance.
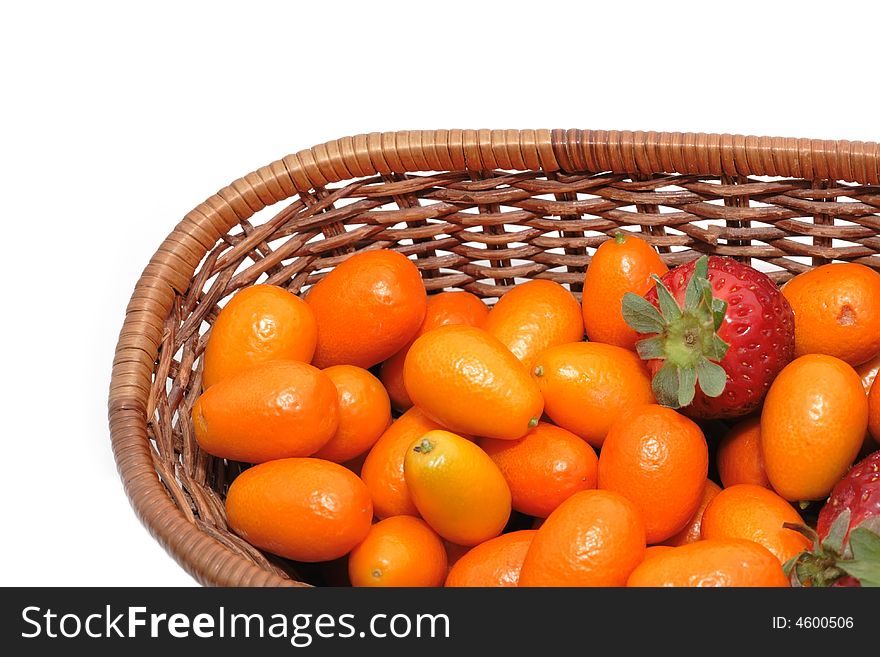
(846, 543)
(718, 334)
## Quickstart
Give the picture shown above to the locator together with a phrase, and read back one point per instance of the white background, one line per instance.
(117, 120)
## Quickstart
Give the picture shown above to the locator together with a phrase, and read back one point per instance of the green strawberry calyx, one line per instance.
(685, 338)
(835, 556)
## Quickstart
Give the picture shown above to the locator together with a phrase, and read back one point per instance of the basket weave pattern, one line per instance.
(486, 210)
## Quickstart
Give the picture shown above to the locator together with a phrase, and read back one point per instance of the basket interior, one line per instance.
(481, 233)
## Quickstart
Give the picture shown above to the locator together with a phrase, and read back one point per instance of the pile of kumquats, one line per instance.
(694, 426)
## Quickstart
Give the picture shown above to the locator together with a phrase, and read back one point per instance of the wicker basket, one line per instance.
(488, 209)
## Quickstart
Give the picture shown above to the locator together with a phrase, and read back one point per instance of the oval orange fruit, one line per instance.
(364, 413)
(655, 550)
(398, 551)
(443, 309)
(874, 411)
(620, 265)
(382, 470)
(740, 458)
(868, 372)
(366, 309)
(543, 468)
(466, 380)
(594, 538)
(691, 532)
(836, 311)
(756, 514)
(304, 509)
(533, 316)
(813, 423)
(587, 385)
(258, 324)
(711, 563)
(456, 487)
(658, 459)
(496, 562)
(277, 409)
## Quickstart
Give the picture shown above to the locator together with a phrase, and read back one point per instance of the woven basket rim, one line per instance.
(171, 268)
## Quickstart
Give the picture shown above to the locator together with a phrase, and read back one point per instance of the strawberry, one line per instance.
(718, 332)
(846, 542)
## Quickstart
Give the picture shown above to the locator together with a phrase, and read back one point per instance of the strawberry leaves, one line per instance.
(687, 385)
(641, 314)
(650, 348)
(834, 542)
(711, 376)
(833, 557)
(685, 338)
(668, 305)
(865, 564)
(666, 385)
